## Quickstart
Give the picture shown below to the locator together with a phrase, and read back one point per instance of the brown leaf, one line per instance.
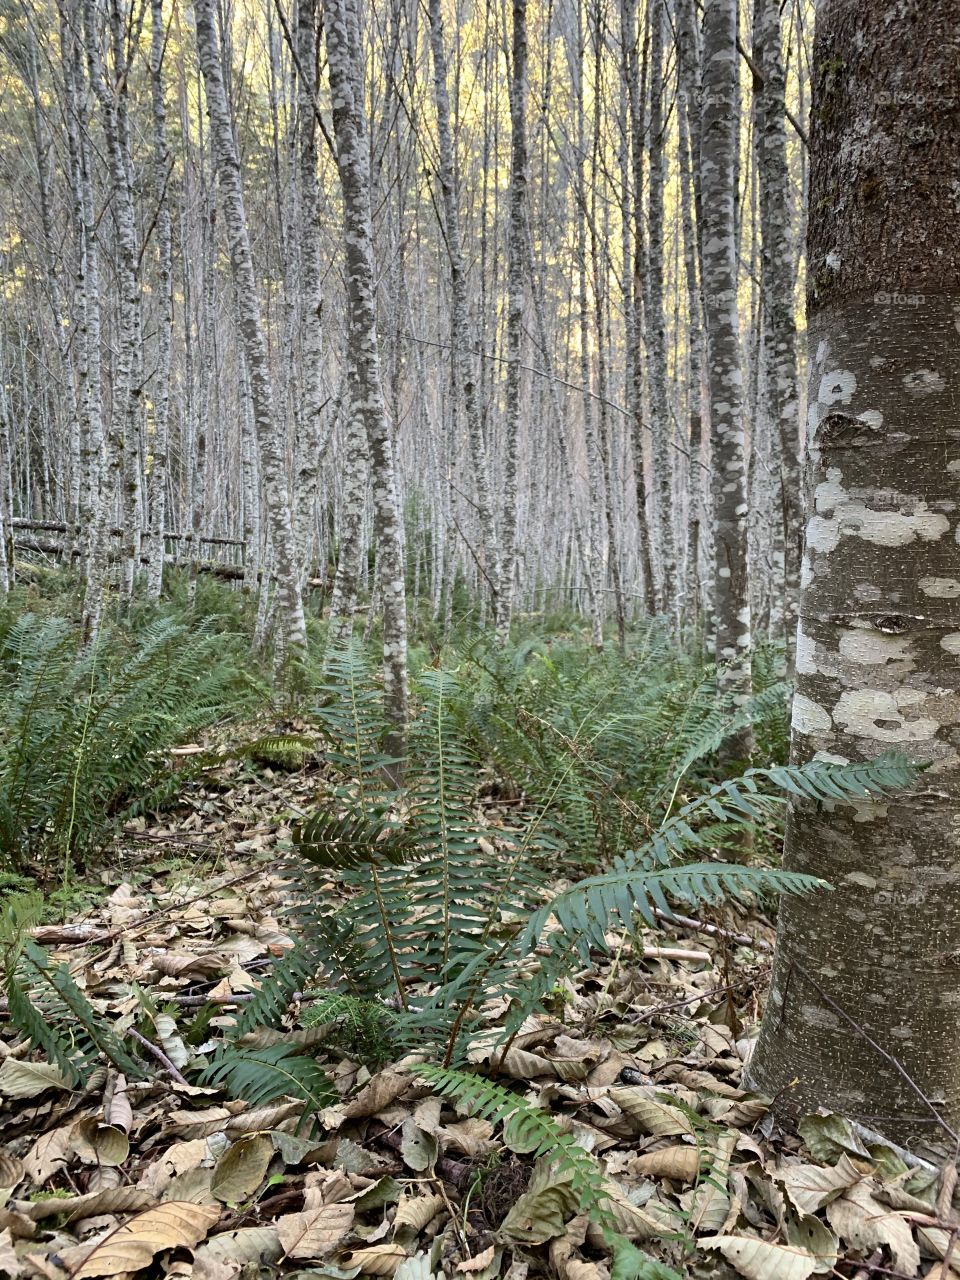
(865, 1223)
(242, 1168)
(649, 1113)
(186, 964)
(10, 1264)
(176, 1224)
(377, 1260)
(378, 1093)
(29, 1079)
(249, 1244)
(679, 1163)
(17, 1224)
(11, 1170)
(48, 1155)
(111, 1200)
(469, 1265)
(316, 1231)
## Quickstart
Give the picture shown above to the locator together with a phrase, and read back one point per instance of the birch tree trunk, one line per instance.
(718, 151)
(286, 560)
(164, 232)
(465, 379)
(874, 965)
(516, 234)
(638, 267)
(778, 293)
(124, 440)
(342, 32)
(311, 302)
(654, 332)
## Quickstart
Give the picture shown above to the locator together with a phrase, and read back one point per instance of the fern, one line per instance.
(263, 1075)
(52, 1013)
(283, 750)
(533, 1130)
(645, 879)
(83, 730)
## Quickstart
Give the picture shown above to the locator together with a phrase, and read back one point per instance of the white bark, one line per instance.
(275, 483)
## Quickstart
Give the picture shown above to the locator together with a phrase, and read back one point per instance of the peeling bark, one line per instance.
(879, 640)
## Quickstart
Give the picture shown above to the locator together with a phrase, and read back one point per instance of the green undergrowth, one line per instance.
(552, 801)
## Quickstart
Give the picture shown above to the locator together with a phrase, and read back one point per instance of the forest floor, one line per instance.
(641, 1061)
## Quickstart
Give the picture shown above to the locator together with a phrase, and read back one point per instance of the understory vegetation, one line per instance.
(554, 805)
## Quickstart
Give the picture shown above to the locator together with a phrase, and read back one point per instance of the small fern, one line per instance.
(263, 1075)
(533, 1130)
(48, 1008)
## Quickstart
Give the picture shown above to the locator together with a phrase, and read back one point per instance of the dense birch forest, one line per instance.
(479, 630)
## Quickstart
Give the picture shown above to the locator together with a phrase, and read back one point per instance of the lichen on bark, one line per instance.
(873, 963)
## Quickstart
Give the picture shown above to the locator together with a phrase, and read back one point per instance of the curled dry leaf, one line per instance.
(414, 1212)
(377, 1260)
(101, 1144)
(469, 1266)
(760, 1260)
(678, 1163)
(173, 1044)
(174, 1225)
(242, 1168)
(118, 1110)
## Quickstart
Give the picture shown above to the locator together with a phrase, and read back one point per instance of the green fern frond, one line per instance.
(80, 1012)
(284, 750)
(533, 1129)
(259, 1076)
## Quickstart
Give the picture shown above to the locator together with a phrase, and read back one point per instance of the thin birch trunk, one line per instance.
(463, 371)
(309, 442)
(342, 33)
(718, 150)
(778, 293)
(276, 488)
(161, 384)
(516, 236)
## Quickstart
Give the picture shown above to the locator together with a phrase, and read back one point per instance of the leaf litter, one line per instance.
(642, 1064)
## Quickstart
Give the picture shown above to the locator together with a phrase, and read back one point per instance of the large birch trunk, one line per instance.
(864, 1008)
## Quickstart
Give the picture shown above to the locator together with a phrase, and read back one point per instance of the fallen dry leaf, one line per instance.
(176, 1224)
